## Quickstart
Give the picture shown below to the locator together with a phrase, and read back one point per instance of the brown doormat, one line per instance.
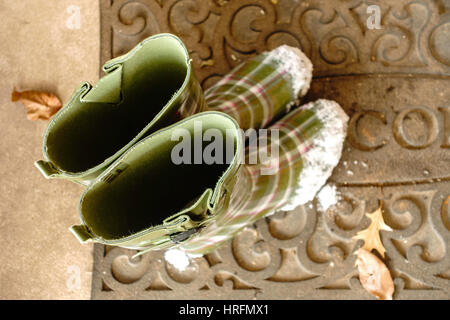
(392, 79)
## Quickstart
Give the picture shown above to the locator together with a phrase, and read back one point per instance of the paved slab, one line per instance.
(394, 84)
(42, 48)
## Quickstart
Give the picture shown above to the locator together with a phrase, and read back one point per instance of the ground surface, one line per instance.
(41, 48)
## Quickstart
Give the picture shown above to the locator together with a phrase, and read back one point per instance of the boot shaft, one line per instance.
(147, 198)
(143, 91)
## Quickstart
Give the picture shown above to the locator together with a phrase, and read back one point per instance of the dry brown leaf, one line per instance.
(374, 275)
(371, 235)
(40, 105)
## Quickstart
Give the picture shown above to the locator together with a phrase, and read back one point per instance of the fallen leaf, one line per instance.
(371, 235)
(40, 105)
(374, 275)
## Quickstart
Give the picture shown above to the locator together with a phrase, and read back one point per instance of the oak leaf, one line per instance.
(371, 235)
(374, 275)
(40, 105)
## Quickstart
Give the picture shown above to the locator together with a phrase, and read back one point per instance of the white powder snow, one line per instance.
(327, 197)
(177, 258)
(321, 159)
(297, 65)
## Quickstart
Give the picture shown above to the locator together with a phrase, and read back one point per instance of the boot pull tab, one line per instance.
(176, 238)
(46, 168)
(180, 237)
(81, 233)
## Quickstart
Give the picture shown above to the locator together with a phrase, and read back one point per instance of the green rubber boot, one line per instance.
(143, 91)
(157, 195)
(148, 200)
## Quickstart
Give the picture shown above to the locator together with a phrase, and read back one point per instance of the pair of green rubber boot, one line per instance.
(166, 166)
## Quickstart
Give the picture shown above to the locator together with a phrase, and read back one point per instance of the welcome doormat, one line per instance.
(387, 63)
